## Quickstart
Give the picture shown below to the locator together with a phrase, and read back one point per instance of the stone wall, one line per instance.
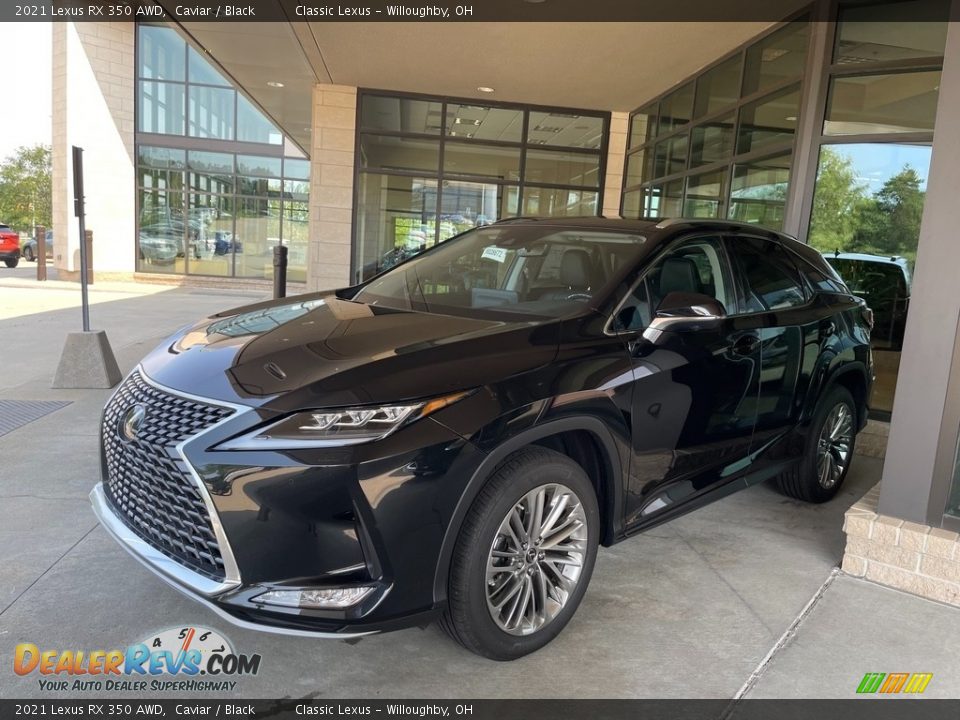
(93, 108)
(616, 153)
(331, 186)
(915, 558)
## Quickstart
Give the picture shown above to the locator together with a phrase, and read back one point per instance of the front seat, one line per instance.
(678, 274)
(575, 272)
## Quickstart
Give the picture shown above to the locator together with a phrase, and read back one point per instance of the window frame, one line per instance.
(797, 83)
(442, 174)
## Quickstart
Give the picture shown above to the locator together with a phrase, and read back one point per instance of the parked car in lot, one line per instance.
(30, 251)
(163, 243)
(9, 246)
(158, 249)
(884, 282)
(454, 438)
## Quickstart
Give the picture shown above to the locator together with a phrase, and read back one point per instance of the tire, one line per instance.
(12, 262)
(547, 602)
(28, 254)
(809, 480)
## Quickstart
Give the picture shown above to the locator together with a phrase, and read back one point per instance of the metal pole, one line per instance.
(40, 233)
(279, 271)
(80, 213)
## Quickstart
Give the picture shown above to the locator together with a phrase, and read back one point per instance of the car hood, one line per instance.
(322, 351)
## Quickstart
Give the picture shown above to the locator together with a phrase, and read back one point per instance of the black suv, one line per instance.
(454, 438)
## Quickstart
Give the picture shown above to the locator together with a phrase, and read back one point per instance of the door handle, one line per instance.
(745, 344)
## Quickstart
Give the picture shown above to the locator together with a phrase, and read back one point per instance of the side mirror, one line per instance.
(685, 312)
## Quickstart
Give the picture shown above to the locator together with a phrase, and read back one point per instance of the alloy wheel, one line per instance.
(834, 445)
(536, 559)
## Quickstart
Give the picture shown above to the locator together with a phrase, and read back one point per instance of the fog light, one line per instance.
(324, 598)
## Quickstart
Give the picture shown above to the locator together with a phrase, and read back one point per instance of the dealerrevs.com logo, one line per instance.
(185, 659)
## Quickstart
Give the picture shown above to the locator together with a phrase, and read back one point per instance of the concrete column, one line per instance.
(813, 102)
(910, 479)
(331, 186)
(616, 155)
(93, 107)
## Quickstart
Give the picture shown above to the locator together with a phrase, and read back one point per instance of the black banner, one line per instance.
(288, 709)
(436, 11)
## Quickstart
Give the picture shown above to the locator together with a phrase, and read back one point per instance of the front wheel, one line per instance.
(828, 450)
(28, 254)
(524, 557)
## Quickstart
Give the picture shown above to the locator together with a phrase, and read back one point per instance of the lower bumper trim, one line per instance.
(191, 584)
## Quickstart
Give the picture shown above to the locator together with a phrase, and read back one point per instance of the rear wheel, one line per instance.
(12, 262)
(818, 475)
(28, 254)
(524, 556)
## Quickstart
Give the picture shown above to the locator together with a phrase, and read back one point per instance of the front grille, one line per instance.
(147, 481)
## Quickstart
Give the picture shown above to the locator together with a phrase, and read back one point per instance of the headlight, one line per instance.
(338, 427)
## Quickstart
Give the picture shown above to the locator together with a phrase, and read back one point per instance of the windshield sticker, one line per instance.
(494, 253)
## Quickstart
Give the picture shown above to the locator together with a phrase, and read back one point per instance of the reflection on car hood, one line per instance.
(334, 352)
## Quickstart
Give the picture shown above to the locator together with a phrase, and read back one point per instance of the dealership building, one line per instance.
(357, 145)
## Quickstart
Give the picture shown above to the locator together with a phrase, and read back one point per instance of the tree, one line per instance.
(890, 224)
(836, 202)
(25, 186)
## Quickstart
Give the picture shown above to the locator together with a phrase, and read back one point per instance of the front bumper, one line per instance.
(373, 515)
(193, 585)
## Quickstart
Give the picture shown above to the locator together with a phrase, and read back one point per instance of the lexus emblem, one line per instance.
(132, 420)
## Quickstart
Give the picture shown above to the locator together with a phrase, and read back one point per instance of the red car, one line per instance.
(9, 246)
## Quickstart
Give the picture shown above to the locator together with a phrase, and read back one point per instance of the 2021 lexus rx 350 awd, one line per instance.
(453, 438)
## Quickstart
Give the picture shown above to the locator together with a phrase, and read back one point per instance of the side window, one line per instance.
(769, 278)
(818, 273)
(820, 281)
(694, 266)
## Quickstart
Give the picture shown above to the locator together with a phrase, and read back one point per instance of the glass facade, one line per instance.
(874, 156)
(217, 184)
(953, 505)
(721, 145)
(430, 168)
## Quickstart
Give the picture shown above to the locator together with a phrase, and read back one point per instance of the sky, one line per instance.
(25, 85)
(877, 163)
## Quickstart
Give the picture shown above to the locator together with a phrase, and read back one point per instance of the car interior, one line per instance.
(693, 267)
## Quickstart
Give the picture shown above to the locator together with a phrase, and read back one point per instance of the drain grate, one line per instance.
(17, 413)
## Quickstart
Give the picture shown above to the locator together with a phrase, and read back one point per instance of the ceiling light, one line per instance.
(274, 83)
(465, 121)
(791, 118)
(485, 89)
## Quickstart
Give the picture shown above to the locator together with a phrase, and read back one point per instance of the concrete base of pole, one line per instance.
(87, 361)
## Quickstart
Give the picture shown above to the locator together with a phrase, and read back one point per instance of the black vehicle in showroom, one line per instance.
(452, 439)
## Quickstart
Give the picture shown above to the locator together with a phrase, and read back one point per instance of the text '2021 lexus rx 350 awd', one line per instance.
(453, 438)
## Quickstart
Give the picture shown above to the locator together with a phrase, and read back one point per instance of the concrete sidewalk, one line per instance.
(36, 317)
(739, 599)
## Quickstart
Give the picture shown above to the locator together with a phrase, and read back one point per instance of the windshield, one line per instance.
(526, 269)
